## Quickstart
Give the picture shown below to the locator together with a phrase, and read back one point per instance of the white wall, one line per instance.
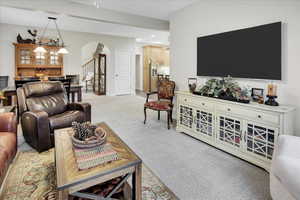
(72, 61)
(216, 16)
(139, 71)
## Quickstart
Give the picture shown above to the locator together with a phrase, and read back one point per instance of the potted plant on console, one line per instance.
(226, 89)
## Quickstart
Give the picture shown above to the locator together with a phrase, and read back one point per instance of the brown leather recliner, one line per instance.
(43, 108)
(8, 141)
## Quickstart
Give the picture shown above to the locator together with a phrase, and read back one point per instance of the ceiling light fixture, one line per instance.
(98, 3)
(41, 49)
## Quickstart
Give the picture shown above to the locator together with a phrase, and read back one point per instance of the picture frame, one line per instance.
(257, 94)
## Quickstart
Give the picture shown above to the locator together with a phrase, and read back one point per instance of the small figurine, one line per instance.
(33, 34)
(261, 100)
(24, 41)
(192, 83)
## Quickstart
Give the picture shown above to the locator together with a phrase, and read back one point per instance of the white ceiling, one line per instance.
(39, 19)
(160, 9)
(82, 16)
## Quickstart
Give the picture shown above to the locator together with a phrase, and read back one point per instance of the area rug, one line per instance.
(32, 177)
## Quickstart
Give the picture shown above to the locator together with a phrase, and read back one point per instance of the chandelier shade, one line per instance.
(63, 50)
(40, 49)
(97, 3)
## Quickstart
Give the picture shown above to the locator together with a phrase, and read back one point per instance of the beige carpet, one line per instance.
(192, 169)
(32, 177)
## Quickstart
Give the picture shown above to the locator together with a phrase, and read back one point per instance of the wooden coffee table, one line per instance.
(70, 180)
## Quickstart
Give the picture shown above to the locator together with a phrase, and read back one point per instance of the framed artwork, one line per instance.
(257, 94)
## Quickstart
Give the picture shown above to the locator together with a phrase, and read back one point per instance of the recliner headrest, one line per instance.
(38, 89)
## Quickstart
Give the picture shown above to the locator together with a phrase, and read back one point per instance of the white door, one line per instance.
(122, 73)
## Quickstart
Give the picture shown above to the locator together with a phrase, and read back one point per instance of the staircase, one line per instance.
(94, 74)
(88, 67)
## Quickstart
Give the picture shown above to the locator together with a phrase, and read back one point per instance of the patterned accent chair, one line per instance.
(164, 102)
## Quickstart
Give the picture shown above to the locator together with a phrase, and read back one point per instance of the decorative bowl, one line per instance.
(97, 140)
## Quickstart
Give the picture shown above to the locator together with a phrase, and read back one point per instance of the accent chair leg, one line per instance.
(171, 116)
(86, 87)
(145, 113)
(158, 115)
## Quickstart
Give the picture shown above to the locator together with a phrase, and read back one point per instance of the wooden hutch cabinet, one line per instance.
(29, 64)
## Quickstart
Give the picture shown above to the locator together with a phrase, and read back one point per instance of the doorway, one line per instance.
(96, 68)
(156, 65)
(123, 73)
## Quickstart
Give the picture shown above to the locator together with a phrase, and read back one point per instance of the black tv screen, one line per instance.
(247, 53)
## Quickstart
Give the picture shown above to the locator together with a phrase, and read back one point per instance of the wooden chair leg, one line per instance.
(168, 119)
(158, 115)
(86, 87)
(145, 113)
(171, 116)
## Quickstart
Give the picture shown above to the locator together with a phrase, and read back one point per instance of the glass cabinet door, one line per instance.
(54, 57)
(204, 123)
(40, 58)
(260, 140)
(25, 56)
(229, 131)
(100, 75)
(186, 116)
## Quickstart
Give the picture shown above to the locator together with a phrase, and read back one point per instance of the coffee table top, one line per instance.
(67, 171)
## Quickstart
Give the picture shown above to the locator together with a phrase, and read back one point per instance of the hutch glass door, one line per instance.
(54, 57)
(25, 56)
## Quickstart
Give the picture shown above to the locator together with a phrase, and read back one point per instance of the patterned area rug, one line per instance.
(32, 177)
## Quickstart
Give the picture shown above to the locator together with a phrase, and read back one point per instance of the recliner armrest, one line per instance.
(8, 122)
(84, 107)
(35, 125)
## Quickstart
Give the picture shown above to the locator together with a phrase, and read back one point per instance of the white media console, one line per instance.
(248, 131)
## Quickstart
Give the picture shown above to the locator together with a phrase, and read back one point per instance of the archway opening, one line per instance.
(95, 60)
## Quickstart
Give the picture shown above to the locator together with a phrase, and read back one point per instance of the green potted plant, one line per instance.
(225, 88)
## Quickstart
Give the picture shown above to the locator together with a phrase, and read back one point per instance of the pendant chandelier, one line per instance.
(41, 49)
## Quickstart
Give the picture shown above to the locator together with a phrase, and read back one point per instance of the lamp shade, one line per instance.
(39, 49)
(63, 50)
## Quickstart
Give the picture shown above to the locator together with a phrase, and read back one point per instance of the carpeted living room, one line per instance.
(149, 100)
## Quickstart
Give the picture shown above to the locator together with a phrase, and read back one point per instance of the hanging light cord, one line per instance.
(44, 32)
(59, 34)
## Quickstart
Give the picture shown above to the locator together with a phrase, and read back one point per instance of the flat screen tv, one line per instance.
(247, 53)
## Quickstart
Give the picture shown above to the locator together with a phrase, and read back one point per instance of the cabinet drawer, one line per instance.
(185, 100)
(196, 102)
(262, 117)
